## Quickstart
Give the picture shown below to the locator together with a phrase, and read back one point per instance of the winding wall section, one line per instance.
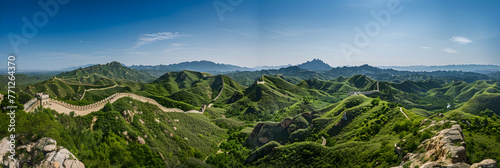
(63, 107)
(86, 90)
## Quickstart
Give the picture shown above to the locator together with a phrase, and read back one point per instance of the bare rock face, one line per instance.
(46, 144)
(141, 140)
(286, 122)
(446, 149)
(486, 163)
(263, 140)
(289, 129)
(73, 164)
(444, 145)
(309, 115)
(265, 132)
(458, 154)
(54, 157)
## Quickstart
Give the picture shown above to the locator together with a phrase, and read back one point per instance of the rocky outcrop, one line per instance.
(141, 140)
(446, 149)
(286, 122)
(287, 130)
(53, 156)
(486, 163)
(436, 165)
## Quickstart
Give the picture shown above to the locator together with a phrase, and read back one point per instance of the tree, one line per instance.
(108, 107)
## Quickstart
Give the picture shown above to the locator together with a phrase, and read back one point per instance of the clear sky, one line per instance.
(250, 33)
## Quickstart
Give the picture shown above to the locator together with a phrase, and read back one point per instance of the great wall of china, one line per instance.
(365, 93)
(261, 82)
(63, 107)
(86, 90)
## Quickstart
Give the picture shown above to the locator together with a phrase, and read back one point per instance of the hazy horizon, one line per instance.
(252, 33)
(283, 65)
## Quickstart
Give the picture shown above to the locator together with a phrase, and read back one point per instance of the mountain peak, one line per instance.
(115, 64)
(315, 65)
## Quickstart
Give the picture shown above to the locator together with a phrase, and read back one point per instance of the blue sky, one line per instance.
(252, 33)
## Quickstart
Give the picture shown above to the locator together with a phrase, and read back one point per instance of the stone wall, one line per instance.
(82, 110)
(64, 107)
(28, 106)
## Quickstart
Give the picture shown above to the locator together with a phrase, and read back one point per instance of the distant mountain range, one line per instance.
(201, 66)
(315, 65)
(484, 69)
(215, 68)
(294, 74)
(257, 68)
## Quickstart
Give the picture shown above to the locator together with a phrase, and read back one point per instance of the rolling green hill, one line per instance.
(70, 86)
(292, 74)
(482, 102)
(100, 74)
(194, 88)
(341, 84)
(267, 101)
(23, 80)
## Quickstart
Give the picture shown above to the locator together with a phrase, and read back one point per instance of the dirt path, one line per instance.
(219, 151)
(401, 109)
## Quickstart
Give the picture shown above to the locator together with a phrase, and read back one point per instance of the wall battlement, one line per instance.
(64, 107)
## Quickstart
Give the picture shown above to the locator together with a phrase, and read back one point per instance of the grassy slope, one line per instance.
(97, 74)
(366, 137)
(482, 102)
(367, 140)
